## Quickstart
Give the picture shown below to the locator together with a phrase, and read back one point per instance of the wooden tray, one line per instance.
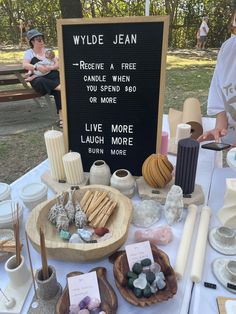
(121, 268)
(57, 248)
(108, 296)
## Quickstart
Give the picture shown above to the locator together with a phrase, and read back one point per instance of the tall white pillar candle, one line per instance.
(55, 151)
(183, 131)
(200, 247)
(73, 168)
(185, 242)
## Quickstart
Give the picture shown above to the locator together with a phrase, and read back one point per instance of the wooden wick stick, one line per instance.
(43, 255)
(31, 266)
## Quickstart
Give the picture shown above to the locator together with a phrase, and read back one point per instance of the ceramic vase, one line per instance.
(47, 289)
(100, 173)
(123, 181)
(18, 275)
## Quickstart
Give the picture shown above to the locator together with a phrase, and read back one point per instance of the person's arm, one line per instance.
(219, 130)
(27, 65)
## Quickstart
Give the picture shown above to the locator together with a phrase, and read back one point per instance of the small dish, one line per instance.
(33, 194)
(6, 213)
(108, 297)
(5, 191)
(225, 272)
(223, 240)
(120, 269)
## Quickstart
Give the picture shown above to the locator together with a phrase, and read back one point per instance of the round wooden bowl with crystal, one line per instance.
(58, 248)
(121, 268)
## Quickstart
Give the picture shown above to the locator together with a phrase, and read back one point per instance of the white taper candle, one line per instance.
(73, 168)
(200, 247)
(55, 151)
(185, 242)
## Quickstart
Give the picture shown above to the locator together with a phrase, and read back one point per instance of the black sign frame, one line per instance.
(112, 73)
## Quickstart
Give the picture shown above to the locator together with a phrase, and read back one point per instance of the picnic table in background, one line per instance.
(11, 74)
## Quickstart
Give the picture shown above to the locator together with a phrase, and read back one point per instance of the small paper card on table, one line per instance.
(137, 252)
(83, 285)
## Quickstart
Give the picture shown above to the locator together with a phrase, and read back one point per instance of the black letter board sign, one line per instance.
(112, 76)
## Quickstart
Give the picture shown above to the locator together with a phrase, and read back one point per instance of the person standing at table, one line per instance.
(204, 29)
(222, 96)
(49, 83)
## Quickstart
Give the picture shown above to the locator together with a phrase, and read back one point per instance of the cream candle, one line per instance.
(200, 247)
(183, 131)
(55, 151)
(185, 242)
(73, 168)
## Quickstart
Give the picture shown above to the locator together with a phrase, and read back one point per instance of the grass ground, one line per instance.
(188, 74)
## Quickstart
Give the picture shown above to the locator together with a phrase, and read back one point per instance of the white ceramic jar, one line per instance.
(7, 208)
(123, 181)
(100, 173)
(33, 194)
(5, 191)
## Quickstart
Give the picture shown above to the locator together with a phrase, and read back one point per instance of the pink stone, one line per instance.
(160, 236)
(93, 304)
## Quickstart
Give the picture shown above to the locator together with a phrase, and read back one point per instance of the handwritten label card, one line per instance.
(83, 285)
(137, 252)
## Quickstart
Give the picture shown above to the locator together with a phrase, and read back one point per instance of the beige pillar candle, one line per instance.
(55, 151)
(73, 168)
(200, 247)
(185, 242)
(183, 131)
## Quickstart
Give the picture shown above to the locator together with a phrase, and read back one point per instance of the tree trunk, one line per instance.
(71, 8)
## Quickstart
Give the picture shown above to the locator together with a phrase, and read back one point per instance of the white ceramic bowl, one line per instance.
(33, 194)
(7, 208)
(5, 191)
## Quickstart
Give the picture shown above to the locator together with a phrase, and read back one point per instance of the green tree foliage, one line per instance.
(185, 17)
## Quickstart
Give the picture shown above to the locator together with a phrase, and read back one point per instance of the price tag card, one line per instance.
(137, 252)
(83, 285)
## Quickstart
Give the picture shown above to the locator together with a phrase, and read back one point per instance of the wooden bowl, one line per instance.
(60, 249)
(108, 296)
(121, 268)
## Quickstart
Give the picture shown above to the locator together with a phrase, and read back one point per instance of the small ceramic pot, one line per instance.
(225, 236)
(123, 181)
(100, 173)
(47, 289)
(18, 275)
(230, 271)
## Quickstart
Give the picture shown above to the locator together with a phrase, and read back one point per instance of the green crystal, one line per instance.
(147, 292)
(131, 274)
(137, 268)
(131, 283)
(138, 292)
(146, 262)
(65, 234)
(150, 277)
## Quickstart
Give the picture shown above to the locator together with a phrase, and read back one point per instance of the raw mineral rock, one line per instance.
(75, 238)
(73, 309)
(105, 237)
(84, 302)
(140, 282)
(93, 304)
(159, 236)
(85, 234)
(146, 213)
(83, 311)
(174, 205)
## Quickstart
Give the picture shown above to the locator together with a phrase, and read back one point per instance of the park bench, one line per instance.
(12, 74)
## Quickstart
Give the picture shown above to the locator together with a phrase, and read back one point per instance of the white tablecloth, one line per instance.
(180, 302)
(204, 299)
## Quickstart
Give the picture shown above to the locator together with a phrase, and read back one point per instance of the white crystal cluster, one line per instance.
(146, 213)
